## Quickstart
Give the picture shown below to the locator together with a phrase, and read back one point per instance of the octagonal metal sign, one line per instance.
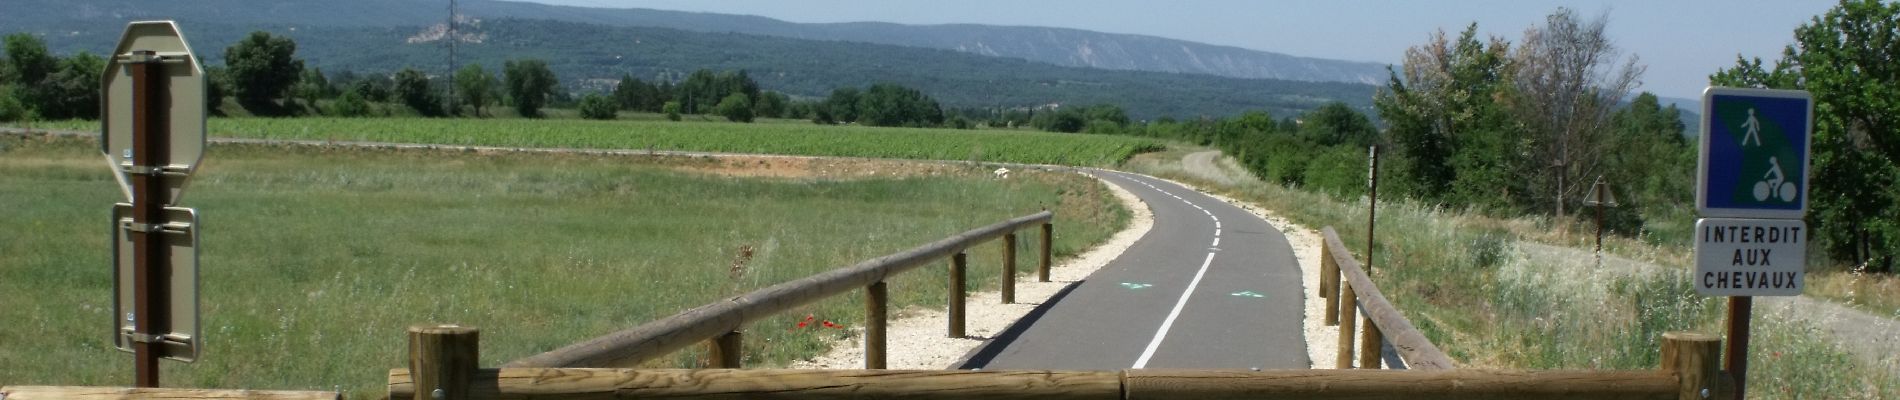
(182, 103)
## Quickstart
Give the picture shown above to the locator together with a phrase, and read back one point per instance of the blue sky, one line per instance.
(1681, 42)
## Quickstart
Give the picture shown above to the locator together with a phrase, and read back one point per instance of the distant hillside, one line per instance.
(590, 56)
(1066, 47)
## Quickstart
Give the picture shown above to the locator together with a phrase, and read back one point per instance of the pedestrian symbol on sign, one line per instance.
(1754, 128)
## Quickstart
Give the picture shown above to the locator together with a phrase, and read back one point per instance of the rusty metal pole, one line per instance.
(1735, 358)
(1372, 210)
(150, 139)
(1599, 194)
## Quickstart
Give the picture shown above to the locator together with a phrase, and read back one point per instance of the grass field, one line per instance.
(771, 138)
(315, 258)
(1462, 280)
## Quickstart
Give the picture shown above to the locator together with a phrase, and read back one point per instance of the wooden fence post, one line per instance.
(1009, 268)
(1348, 310)
(1371, 354)
(875, 299)
(724, 350)
(443, 358)
(1695, 359)
(1329, 284)
(1048, 237)
(957, 264)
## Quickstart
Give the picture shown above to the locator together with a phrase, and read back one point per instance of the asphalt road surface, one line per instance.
(1210, 286)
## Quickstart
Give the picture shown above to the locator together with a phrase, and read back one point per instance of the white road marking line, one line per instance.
(1216, 242)
(1216, 230)
(1217, 224)
(1216, 219)
(1176, 313)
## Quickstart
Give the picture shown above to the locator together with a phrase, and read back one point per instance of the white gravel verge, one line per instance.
(915, 337)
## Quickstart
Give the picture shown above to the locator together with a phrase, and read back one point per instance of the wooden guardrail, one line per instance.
(1346, 289)
(103, 393)
(1688, 371)
(720, 322)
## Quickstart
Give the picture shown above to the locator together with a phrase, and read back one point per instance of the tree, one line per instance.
(261, 67)
(772, 104)
(28, 62)
(842, 106)
(28, 65)
(886, 104)
(311, 87)
(1649, 160)
(350, 104)
(735, 107)
(72, 91)
(475, 86)
(1843, 58)
(672, 110)
(216, 88)
(412, 86)
(530, 84)
(596, 106)
(10, 107)
(1336, 124)
(1441, 114)
(1566, 84)
(634, 94)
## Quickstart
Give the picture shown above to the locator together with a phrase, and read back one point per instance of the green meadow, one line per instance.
(315, 258)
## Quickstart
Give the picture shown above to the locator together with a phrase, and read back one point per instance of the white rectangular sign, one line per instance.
(1750, 257)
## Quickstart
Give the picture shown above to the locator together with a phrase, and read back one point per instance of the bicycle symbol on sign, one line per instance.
(1774, 184)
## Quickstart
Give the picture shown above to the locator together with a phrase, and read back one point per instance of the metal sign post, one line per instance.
(153, 136)
(1600, 197)
(1372, 194)
(1752, 193)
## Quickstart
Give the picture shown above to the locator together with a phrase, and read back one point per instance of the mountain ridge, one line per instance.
(1059, 46)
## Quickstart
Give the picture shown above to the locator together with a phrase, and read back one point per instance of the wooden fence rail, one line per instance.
(664, 336)
(123, 393)
(1347, 289)
(1688, 371)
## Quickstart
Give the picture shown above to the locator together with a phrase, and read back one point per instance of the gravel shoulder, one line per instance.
(919, 333)
(916, 337)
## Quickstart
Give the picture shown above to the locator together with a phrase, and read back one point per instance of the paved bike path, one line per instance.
(1210, 286)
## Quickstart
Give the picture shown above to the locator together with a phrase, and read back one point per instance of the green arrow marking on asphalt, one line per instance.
(1136, 285)
(1248, 293)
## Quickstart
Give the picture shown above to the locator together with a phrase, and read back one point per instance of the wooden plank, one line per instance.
(1144, 384)
(1008, 286)
(666, 335)
(582, 383)
(1418, 351)
(1347, 325)
(726, 351)
(954, 305)
(108, 393)
(875, 303)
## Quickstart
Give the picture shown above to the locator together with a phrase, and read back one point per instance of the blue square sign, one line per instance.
(1754, 161)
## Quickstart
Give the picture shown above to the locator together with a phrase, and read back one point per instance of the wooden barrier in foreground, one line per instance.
(1347, 289)
(719, 323)
(1688, 371)
(106, 393)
